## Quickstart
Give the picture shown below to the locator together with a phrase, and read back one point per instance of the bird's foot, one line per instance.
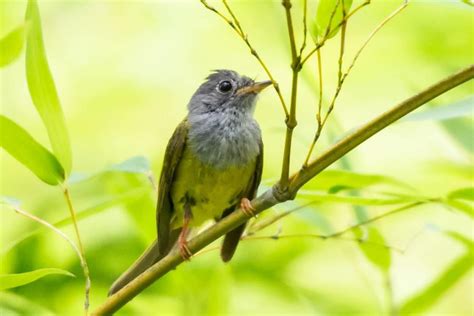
(184, 251)
(247, 207)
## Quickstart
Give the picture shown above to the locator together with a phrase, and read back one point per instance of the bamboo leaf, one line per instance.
(21, 146)
(338, 180)
(8, 281)
(461, 206)
(356, 200)
(323, 17)
(463, 194)
(468, 2)
(12, 304)
(138, 164)
(97, 208)
(11, 45)
(379, 256)
(462, 108)
(430, 295)
(43, 90)
(469, 244)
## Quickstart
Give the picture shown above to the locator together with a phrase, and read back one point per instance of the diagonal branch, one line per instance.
(272, 197)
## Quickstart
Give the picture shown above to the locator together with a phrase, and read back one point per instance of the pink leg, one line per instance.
(247, 207)
(186, 254)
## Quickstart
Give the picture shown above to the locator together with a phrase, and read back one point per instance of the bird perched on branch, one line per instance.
(213, 164)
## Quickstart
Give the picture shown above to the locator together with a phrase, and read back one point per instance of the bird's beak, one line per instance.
(254, 88)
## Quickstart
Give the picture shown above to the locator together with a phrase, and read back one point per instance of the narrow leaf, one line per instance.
(461, 130)
(8, 281)
(462, 239)
(324, 12)
(11, 45)
(18, 143)
(138, 164)
(12, 304)
(461, 206)
(338, 180)
(464, 194)
(468, 2)
(357, 200)
(43, 90)
(462, 108)
(430, 295)
(379, 256)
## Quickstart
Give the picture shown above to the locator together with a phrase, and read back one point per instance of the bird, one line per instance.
(212, 165)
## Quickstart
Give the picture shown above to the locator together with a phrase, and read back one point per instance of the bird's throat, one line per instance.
(223, 139)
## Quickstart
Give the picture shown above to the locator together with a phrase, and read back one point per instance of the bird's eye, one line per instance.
(224, 86)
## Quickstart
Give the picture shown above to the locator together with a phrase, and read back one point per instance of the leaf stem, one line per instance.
(85, 267)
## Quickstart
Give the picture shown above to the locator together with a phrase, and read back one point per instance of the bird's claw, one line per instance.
(247, 207)
(184, 251)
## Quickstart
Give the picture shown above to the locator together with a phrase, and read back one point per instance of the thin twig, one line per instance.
(319, 45)
(291, 122)
(85, 267)
(238, 29)
(305, 27)
(342, 77)
(66, 238)
(387, 19)
(343, 42)
(258, 226)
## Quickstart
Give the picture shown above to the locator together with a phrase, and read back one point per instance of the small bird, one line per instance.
(213, 164)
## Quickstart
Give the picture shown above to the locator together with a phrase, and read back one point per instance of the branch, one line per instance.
(291, 121)
(273, 197)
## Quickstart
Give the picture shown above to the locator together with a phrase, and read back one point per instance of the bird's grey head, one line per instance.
(226, 90)
(222, 130)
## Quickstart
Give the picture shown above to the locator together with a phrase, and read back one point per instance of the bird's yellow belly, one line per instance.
(207, 190)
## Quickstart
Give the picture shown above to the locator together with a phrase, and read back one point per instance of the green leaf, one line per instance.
(138, 164)
(462, 108)
(468, 2)
(13, 304)
(379, 256)
(356, 200)
(8, 281)
(18, 143)
(430, 295)
(97, 208)
(324, 12)
(337, 180)
(461, 206)
(461, 130)
(464, 194)
(462, 239)
(43, 90)
(11, 45)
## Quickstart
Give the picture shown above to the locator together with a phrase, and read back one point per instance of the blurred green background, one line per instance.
(125, 71)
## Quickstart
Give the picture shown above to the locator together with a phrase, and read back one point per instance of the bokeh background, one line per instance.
(125, 71)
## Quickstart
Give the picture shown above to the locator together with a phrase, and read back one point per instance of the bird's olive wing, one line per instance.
(164, 207)
(232, 238)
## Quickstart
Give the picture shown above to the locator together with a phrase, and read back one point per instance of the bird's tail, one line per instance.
(147, 259)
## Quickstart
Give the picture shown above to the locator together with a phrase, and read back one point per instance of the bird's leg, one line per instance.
(186, 254)
(247, 207)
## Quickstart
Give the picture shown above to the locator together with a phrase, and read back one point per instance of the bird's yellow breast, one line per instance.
(208, 191)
